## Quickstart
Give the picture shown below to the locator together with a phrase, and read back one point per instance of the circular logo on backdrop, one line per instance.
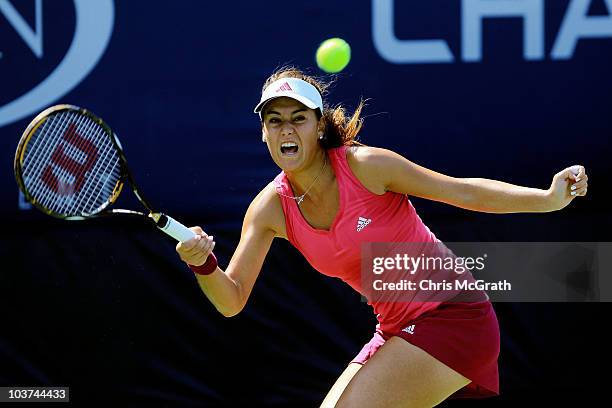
(92, 32)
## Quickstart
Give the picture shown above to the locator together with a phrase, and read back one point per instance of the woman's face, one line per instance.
(291, 130)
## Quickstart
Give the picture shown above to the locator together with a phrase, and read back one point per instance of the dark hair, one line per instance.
(340, 130)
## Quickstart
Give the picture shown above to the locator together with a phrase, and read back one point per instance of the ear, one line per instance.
(263, 133)
(321, 125)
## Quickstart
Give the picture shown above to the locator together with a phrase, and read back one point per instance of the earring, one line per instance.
(263, 138)
(321, 135)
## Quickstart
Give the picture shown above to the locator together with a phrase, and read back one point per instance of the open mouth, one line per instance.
(289, 149)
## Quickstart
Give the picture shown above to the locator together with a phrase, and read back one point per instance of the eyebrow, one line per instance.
(293, 113)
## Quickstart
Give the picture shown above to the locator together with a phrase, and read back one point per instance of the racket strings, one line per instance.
(103, 178)
(74, 167)
(104, 187)
(81, 202)
(93, 198)
(99, 174)
(40, 147)
(40, 154)
(64, 172)
(33, 145)
(77, 170)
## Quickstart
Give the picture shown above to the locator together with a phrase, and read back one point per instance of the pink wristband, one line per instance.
(207, 267)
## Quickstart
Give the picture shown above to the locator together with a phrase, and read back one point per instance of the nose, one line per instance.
(286, 129)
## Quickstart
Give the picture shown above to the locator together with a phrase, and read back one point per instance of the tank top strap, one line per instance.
(280, 183)
(347, 181)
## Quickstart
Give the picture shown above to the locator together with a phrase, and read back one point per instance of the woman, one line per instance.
(333, 194)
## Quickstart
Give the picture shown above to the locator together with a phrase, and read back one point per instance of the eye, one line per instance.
(273, 120)
(299, 118)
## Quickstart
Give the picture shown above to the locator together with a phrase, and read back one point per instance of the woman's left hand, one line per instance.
(568, 184)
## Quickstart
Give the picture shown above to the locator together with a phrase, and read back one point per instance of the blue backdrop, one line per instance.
(514, 90)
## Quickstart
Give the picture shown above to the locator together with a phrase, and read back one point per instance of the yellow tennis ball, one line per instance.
(333, 55)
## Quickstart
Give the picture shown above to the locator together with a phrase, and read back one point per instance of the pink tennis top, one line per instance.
(362, 217)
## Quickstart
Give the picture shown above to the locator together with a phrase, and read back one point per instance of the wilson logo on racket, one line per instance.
(68, 165)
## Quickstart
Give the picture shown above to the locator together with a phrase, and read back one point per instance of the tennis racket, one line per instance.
(69, 164)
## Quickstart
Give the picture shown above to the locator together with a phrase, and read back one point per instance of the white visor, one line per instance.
(293, 88)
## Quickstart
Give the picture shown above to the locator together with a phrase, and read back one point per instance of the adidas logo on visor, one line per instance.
(284, 87)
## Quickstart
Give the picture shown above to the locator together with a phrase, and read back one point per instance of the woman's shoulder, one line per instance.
(368, 164)
(368, 155)
(266, 210)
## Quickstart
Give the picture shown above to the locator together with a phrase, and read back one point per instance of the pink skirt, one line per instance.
(464, 336)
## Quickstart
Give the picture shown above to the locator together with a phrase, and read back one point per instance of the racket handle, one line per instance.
(173, 228)
(575, 169)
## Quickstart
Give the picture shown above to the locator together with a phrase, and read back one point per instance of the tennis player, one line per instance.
(332, 195)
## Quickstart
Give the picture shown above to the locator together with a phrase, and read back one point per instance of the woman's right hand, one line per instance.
(196, 250)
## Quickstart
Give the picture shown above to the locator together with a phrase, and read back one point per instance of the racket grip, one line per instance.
(575, 169)
(174, 228)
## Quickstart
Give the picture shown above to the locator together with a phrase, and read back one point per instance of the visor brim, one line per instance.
(307, 102)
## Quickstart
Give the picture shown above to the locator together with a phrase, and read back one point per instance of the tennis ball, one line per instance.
(333, 55)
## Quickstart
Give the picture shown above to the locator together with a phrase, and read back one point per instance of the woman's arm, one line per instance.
(229, 290)
(492, 196)
(392, 172)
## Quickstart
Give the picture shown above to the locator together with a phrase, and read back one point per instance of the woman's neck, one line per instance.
(314, 179)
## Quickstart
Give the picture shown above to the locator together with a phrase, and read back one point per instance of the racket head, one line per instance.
(69, 163)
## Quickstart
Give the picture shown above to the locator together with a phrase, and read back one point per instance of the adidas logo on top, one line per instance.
(284, 87)
(409, 329)
(362, 223)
